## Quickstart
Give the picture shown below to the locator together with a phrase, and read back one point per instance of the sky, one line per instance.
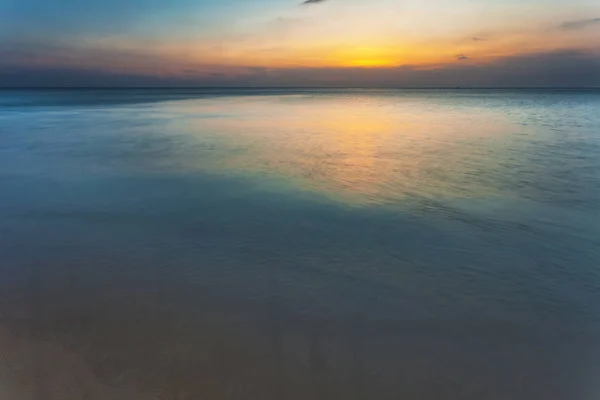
(299, 43)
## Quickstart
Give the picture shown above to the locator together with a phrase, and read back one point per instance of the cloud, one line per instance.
(313, 1)
(461, 57)
(580, 24)
(553, 69)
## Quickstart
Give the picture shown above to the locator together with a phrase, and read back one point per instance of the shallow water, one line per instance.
(302, 244)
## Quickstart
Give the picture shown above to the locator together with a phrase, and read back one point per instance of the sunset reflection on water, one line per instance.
(363, 149)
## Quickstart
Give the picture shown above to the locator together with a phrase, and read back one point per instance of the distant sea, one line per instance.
(300, 244)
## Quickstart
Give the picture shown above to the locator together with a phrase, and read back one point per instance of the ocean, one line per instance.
(295, 244)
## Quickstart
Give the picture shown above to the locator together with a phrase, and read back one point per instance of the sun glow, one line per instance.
(364, 57)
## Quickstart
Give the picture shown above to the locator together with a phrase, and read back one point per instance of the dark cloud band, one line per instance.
(554, 69)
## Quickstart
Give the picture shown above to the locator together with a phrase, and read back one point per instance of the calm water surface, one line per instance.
(300, 244)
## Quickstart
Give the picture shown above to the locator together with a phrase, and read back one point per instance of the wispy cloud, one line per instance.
(580, 24)
(313, 1)
(462, 57)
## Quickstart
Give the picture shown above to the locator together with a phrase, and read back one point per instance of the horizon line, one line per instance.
(301, 87)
